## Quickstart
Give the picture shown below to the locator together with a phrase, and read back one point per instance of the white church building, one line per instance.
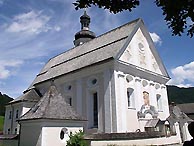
(113, 83)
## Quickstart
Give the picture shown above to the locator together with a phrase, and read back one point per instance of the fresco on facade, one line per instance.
(146, 108)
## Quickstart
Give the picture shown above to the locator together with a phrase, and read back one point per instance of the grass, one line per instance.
(1, 123)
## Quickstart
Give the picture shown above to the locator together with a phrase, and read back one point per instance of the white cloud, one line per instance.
(31, 23)
(57, 28)
(156, 38)
(189, 21)
(4, 73)
(5, 67)
(183, 76)
(1, 2)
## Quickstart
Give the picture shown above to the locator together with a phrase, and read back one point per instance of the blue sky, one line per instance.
(32, 31)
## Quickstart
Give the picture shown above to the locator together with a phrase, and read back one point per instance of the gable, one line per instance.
(140, 52)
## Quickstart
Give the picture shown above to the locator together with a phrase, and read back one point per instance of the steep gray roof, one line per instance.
(187, 108)
(176, 115)
(52, 106)
(152, 123)
(99, 49)
(107, 46)
(31, 96)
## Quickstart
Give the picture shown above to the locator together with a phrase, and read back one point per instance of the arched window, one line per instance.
(17, 114)
(63, 132)
(95, 109)
(8, 131)
(130, 98)
(62, 135)
(10, 114)
(93, 81)
(68, 87)
(15, 130)
(159, 102)
(69, 100)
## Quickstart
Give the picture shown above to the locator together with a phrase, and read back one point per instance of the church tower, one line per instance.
(84, 35)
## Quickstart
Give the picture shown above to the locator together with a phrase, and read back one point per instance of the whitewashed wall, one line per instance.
(81, 93)
(12, 123)
(46, 132)
(127, 120)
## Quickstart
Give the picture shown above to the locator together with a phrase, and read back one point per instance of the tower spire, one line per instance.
(85, 21)
(84, 35)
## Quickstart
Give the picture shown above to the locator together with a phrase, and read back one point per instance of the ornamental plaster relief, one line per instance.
(139, 53)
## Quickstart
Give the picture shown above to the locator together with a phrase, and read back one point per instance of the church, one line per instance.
(114, 83)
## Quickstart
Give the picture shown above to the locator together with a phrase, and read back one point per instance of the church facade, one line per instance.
(116, 82)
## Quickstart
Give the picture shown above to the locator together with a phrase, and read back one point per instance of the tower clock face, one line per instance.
(141, 48)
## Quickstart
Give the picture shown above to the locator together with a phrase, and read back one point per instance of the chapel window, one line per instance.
(92, 82)
(10, 113)
(62, 135)
(130, 98)
(159, 102)
(17, 114)
(68, 88)
(95, 109)
(8, 131)
(69, 100)
(15, 130)
(63, 132)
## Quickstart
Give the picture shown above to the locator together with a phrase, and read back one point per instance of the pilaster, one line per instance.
(138, 94)
(107, 102)
(121, 101)
(79, 96)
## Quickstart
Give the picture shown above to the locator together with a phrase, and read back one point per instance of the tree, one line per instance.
(179, 14)
(76, 139)
(4, 99)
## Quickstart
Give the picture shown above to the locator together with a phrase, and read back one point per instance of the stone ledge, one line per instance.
(123, 136)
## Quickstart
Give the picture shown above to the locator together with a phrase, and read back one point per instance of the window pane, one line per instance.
(16, 114)
(159, 102)
(95, 109)
(69, 100)
(10, 113)
(130, 97)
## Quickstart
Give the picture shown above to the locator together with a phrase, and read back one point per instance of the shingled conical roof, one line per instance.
(52, 106)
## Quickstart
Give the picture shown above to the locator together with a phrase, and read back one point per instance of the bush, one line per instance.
(77, 139)
(1, 123)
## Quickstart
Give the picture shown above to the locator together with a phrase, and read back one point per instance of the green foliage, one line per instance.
(76, 139)
(180, 95)
(178, 14)
(114, 6)
(4, 99)
(1, 123)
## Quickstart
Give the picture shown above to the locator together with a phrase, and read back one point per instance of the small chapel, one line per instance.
(114, 83)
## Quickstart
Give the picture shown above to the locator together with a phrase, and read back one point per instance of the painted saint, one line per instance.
(146, 108)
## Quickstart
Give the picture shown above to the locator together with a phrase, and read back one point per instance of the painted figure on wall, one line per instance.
(146, 108)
